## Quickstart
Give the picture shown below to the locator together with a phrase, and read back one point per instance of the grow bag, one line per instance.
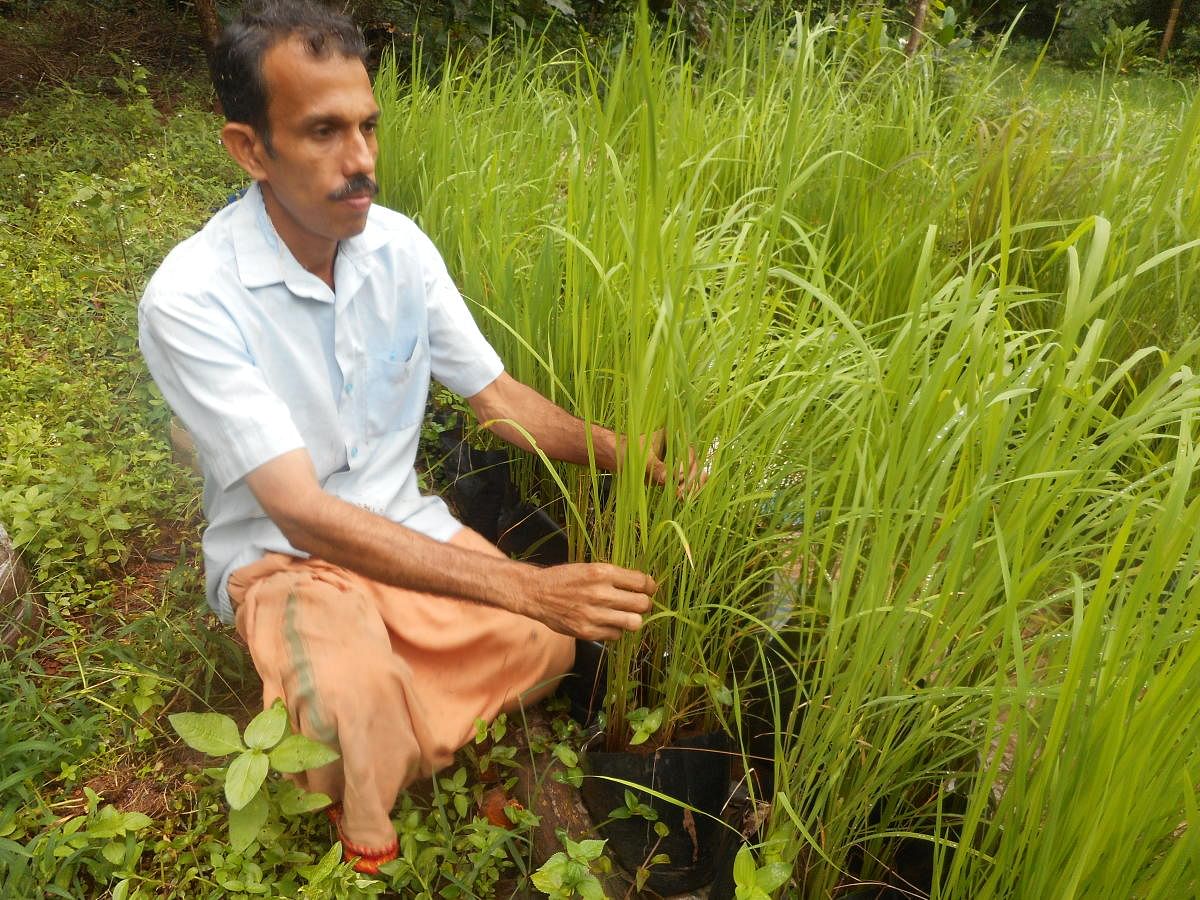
(693, 771)
(585, 684)
(481, 488)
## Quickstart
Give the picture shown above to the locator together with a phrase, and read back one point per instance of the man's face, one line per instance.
(320, 170)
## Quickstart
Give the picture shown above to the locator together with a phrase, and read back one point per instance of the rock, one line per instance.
(557, 805)
(20, 612)
(184, 448)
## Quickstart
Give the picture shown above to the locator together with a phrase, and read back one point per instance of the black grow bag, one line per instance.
(480, 487)
(694, 771)
(585, 685)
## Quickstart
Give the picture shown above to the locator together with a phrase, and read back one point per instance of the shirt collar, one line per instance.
(255, 243)
(263, 259)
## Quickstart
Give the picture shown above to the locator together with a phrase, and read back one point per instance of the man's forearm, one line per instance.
(332, 529)
(516, 413)
(597, 601)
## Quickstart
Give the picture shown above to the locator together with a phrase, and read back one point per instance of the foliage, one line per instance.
(569, 873)
(754, 882)
(637, 230)
(267, 747)
(1124, 47)
(82, 472)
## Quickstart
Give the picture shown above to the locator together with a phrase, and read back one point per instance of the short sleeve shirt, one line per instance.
(258, 357)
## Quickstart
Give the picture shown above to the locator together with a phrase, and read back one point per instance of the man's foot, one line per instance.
(366, 860)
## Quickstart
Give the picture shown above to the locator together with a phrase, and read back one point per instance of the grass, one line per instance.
(929, 325)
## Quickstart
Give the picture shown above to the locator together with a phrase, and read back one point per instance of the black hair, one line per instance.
(238, 56)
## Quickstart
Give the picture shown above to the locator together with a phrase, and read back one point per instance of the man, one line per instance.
(295, 335)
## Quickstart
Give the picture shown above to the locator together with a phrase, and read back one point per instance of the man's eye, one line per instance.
(370, 127)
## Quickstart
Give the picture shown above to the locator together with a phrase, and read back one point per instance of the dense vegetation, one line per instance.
(929, 324)
(935, 345)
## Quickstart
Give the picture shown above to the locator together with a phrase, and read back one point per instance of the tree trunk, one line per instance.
(918, 28)
(210, 23)
(1169, 31)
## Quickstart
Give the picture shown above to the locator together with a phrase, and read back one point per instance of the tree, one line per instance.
(1169, 31)
(918, 28)
(210, 23)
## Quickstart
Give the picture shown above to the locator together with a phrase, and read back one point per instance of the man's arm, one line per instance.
(596, 601)
(557, 433)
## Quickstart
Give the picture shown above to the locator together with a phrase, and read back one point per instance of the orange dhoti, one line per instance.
(393, 679)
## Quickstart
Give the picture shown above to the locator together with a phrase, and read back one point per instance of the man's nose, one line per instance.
(360, 157)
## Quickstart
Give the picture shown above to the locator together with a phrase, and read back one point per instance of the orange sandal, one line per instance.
(365, 859)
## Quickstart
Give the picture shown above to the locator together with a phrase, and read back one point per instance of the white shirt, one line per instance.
(258, 357)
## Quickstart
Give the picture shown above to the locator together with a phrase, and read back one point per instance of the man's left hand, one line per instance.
(688, 478)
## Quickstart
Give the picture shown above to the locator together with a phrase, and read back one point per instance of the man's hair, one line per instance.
(237, 66)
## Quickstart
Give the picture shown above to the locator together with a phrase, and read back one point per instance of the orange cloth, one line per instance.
(393, 679)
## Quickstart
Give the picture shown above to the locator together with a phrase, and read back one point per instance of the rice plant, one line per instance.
(931, 337)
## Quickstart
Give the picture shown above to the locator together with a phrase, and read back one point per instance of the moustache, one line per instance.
(356, 186)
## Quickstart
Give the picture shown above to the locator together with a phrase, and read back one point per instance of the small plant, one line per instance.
(1123, 47)
(644, 723)
(267, 747)
(571, 872)
(754, 882)
(450, 850)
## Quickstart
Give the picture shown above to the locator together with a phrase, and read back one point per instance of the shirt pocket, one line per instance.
(397, 387)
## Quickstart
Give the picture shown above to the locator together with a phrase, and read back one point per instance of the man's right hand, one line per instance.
(593, 601)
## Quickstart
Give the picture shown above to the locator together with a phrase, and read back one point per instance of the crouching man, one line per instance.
(295, 335)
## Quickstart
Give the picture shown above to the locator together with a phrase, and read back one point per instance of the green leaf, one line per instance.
(589, 889)
(294, 800)
(246, 822)
(296, 753)
(589, 849)
(549, 878)
(323, 869)
(114, 852)
(246, 775)
(640, 877)
(211, 733)
(744, 868)
(265, 729)
(566, 755)
(644, 723)
(772, 876)
(135, 821)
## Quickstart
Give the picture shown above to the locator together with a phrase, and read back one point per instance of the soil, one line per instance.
(73, 41)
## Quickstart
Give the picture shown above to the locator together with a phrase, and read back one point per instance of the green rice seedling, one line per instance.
(858, 293)
(953, 581)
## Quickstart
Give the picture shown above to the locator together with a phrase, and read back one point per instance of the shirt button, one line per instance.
(353, 451)
(350, 389)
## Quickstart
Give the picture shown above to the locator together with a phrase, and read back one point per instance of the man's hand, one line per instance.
(688, 478)
(594, 601)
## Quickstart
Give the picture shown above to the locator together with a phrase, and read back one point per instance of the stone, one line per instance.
(183, 447)
(20, 612)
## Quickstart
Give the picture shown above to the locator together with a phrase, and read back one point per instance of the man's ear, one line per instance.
(247, 149)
